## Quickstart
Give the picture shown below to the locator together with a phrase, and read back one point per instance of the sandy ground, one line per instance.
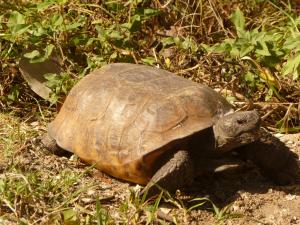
(245, 191)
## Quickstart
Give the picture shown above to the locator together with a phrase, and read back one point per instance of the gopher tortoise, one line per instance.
(148, 126)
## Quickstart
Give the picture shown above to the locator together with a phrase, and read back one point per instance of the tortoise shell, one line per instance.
(123, 117)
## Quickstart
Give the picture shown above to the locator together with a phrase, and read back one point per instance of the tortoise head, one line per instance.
(236, 129)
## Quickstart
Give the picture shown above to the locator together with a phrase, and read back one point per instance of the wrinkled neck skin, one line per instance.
(225, 143)
(236, 130)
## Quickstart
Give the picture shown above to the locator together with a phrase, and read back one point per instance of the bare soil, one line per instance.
(253, 196)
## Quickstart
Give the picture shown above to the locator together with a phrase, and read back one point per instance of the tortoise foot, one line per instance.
(51, 145)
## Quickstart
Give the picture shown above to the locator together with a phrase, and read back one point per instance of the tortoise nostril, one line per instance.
(241, 120)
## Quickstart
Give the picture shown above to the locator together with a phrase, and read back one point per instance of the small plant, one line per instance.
(224, 214)
(221, 215)
(102, 216)
(266, 50)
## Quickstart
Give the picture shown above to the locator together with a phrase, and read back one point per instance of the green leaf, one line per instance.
(61, 2)
(17, 24)
(167, 41)
(33, 54)
(238, 19)
(292, 43)
(292, 66)
(149, 60)
(19, 29)
(39, 31)
(14, 94)
(151, 12)
(202, 201)
(2, 186)
(101, 214)
(73, 26)
(44, 5)
(245, 50)
(15, 18)
(1, 22)
(147, 13)
(264, 50)
(135, 24)
(41, 58)
(269, 95)
(189, 44)
(116, 35)
(56, 20)
(70, 217)
(249, 77)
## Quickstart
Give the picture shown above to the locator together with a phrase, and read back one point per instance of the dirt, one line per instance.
(247, 194)
(251, 195)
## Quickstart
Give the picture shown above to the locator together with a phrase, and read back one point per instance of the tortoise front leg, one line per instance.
(50, 144)
(274, 159)
(176, 172)
(180, 169)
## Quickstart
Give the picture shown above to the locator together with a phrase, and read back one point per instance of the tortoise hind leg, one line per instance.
(176, 172)
(274, 159)
(50, 144)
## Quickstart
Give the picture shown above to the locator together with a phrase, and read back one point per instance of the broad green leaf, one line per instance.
(292, 43)
(245, 50)
(41, 58)
(39, 31)
(292, 66)
(48, 50)
(238, 19)
(264, 50)
(70, 217)
(226, 46)
(56, 20)
(149, 60)
(135, 23)
(147, 13)
(19, 29)
(249, 77)
(151, 12)
(17, 24)
(167, 41)
(190, 44)
(177, 41)
(74, 25)
(15, 18)
(44, 5)
(33, 54)
(115, 35)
